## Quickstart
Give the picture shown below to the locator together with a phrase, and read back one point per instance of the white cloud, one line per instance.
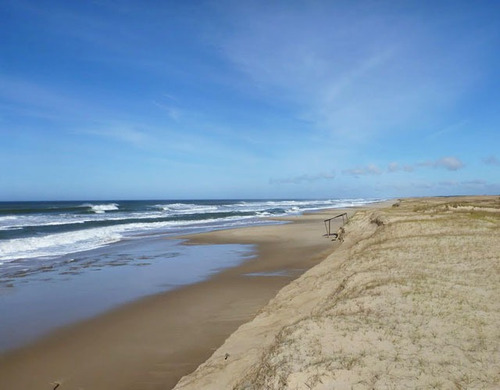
(370, 169)
(450, 163)
(397, 167)
(393, 167)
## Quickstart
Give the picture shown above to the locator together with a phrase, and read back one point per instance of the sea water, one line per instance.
(95, 281)
(61, 262)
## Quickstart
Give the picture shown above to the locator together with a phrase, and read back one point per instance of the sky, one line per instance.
(111, 99)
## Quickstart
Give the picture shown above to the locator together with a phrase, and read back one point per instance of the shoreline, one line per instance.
(410, 300)
(102, 280)
(153, 342)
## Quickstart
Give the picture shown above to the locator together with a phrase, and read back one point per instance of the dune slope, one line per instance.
(411, 299)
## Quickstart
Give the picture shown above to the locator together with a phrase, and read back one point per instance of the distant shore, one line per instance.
(409, 300)
(152, 343)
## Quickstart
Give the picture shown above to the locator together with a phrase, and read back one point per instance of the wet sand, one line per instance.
(152, 343)
(102, 280)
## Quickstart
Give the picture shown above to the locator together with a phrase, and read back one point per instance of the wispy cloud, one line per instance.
(448, 130)
(281, 90)
(450, 163)
(397, 167)
(477, 182)
(463, 183)
(370, 169)
(30, 98)
(172, 111)
(352, 77)
(169, 104)
(121, 133)
(306, 178)
(491, 160)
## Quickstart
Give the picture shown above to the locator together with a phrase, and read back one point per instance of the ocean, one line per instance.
(35, 235)
(76, 259)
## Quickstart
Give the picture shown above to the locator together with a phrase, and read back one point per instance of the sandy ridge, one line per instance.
(410, 300)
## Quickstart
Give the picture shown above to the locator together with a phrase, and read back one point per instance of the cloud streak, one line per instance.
(306, 178)
(397, 167)
(244, 94)
(463, 183)
(36, 100)
(368, 170)
(450, 163)
(491, 160)
(358, 80)
(121, 133)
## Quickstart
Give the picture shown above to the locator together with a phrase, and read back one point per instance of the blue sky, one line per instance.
(111, 99)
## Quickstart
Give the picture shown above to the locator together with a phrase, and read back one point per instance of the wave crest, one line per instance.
(101, 208)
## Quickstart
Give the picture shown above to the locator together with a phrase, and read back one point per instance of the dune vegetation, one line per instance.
(410, 299)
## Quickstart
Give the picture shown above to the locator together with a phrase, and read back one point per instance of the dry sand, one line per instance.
(410, 300)
(152, 343)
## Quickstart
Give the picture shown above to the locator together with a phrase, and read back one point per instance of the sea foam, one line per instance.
(59, 228)
(87, 239)
(101, 208)
(57, 244)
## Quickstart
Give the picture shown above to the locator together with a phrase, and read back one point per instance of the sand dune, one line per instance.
(410, 300)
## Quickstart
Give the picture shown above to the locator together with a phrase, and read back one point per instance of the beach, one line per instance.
(67, 261)
(409, 299)
(249, 195)
(152, 343)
